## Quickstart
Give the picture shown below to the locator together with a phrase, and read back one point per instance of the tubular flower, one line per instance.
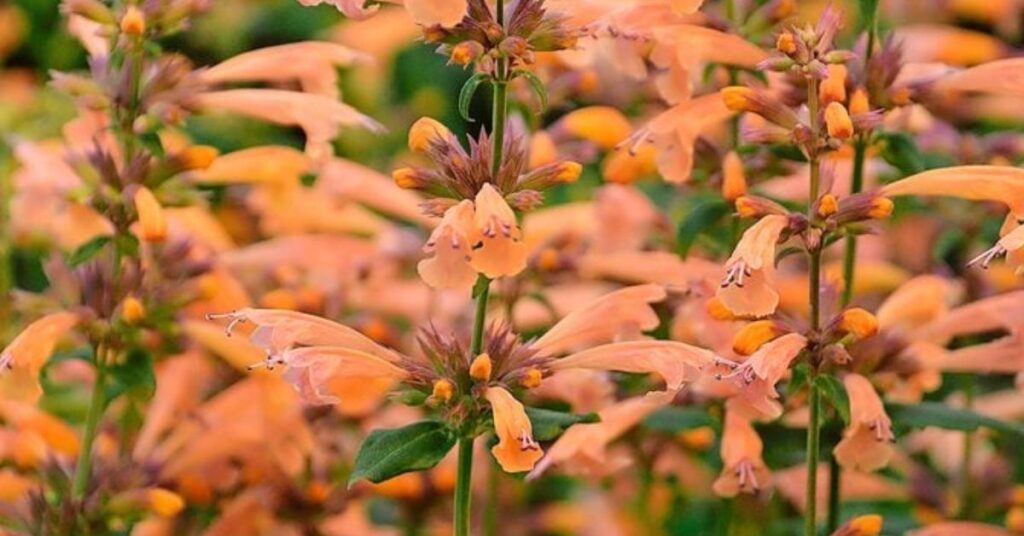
(501, 251)
(516, 450)
(748, 286)
(424, 132)
(151, 216)
(734, 182)
(838, 121)
(867, 443)
(1003, 184)
(451, 244)
(24, 357)
(744, 470)
(756, 377)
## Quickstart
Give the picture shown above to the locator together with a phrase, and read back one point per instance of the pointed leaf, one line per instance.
(835, 393)
(466, 95)
(939, 415)
(537, 86)
(88, 250)
(699, 220)
(388, 453)
(549, 424)
(672, 420)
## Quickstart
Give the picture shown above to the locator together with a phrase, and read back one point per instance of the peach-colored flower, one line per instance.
(756, 377)
(355, 182)
(743, 468)
(623, 314)
(355, 9)
(313, 63)
(1000, 77)
(676, 362)
(451, 246)
(22, 359)
(748, 287)
(446, 13)
(152, 223)
(501, 250)
(516, 450)
(675, 131)
(320, 117)
(916, 303)
(268, 164)
(582, 448)
(867, 443)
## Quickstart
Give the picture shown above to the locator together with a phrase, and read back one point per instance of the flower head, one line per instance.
(867, 442)
(748, 286)
(744, 470)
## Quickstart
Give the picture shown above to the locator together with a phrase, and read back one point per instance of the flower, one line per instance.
(756, 377)
(743, 468)
(867, 442)
(23, 359)
(451, 244)
(151, 216)
(516, 450)
(748, 286)
(500, 251)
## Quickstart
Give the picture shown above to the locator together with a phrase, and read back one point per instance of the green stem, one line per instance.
(811, 511)
(856, 186)
(6, 246)
(498, 122)
(92, 420)
(835, 481)
(491, 510)
(463, 487)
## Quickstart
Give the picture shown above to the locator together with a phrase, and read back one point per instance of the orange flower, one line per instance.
(446, 13)
(748, 286)
(516, 450)
(582, 446)
(867, 442)
(451, 244)
(744, 470)
(25, 356)
(623, 314)
(151, 216)
(757, 376)
(502, 251)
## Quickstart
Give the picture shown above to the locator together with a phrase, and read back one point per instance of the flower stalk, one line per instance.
(814, 296)
(97, 404)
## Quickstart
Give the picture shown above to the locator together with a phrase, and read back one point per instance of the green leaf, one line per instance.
(88, 250)
(835, 392)
(388, 453)
(939, 415)
(899, 150)
(127, 245)
(134, 376)
(697, 221)
(537, 86)
(549, 424)
(798, 379)
(673, 419)
(466, 95)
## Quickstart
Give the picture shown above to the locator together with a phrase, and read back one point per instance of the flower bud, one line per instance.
(786, 43)
(408, 178)
(198, 157)
(745, 99)
(132, 310)
(133, 22)
(859, 103)
(443, 390)
(754, 335)
(866, 525)
(532, 378)
(717, 310)
(838, 121)
(858, 322)
(603, 126)
(701, 438)
(151, 216)
(1015, 520)
(734, 182)
(466, 52)
(425, 131)
(752, 206)
(568, 172)
(828, 205)
(881, 207)
(481, 367)
(159, 501)
(549, 260)
(833, 87)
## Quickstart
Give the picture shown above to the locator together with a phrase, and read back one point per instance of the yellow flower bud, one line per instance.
(406, 178)
(1015, 520)
(737, 98)
(828, 205)
(866, 525)
(424, 131)
(745, 207)
(881, 207)
(786, 43)
(838, 121)
(858, 322)
(163, 502)
(481, 367)
(549, 259)
(754, 335)
(833, 87)
(151, 216)
(717, 310)
(133, 22)
(132, 310)
(532, 378)
(901, 96)
(568, 172)
(198, 157)
(443, 390)
(603, 126)
(466, 52)
(859, 103)
(734, 181)
(698, 438)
